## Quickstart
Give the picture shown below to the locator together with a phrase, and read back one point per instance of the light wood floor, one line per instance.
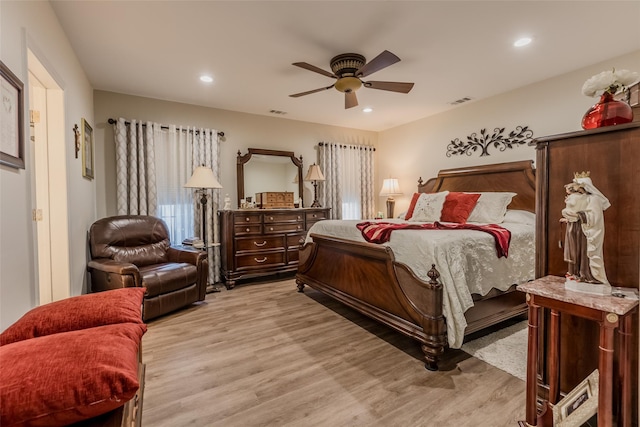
(263, 354)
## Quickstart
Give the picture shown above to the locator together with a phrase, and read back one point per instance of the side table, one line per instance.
(611, 313)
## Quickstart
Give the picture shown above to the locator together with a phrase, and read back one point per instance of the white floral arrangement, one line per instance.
(609, 81)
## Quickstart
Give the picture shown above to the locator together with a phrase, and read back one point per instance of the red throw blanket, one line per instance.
(380, 232)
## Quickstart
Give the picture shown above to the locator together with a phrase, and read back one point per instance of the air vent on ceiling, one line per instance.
(460, 101)
(282, 113)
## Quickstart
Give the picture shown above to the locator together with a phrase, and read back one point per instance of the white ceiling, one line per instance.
(450, 49)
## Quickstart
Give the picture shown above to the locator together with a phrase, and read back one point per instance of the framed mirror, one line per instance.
(262, 170)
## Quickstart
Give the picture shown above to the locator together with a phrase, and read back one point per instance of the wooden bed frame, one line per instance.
(366, 277)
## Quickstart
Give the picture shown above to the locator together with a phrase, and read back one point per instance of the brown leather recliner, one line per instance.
(133, 250)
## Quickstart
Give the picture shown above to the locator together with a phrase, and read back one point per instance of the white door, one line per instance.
(48, 174)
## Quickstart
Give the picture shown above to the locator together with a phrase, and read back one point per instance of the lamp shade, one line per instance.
(314, 173)
(202, 178)
(390, 187)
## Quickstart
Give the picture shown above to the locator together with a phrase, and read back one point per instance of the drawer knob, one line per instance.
(247, 219)
(314, 215)
(260, 244)
(248, 230)
(299, 227)
(260, 260)
(298, 216)
(270, 218)
(270, 228)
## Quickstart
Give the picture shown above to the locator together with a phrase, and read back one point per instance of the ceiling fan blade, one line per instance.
(350, 100)
(390, 86)
(314, 69)
(381, 61)
(309, 92)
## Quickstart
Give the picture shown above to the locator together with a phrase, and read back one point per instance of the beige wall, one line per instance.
(242, 131)
(33, 25)
(549, 107)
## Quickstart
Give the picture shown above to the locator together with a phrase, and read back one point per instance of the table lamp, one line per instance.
(314, 175)
(390, 188)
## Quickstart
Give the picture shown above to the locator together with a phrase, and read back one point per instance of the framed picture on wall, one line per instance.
(87, 150)
(11, 119)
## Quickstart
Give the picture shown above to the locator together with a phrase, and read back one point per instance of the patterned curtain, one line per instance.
(135, 168)
(174, 152)
(349, 179)
(205, 147)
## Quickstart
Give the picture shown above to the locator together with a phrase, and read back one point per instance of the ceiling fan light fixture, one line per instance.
(348, 84)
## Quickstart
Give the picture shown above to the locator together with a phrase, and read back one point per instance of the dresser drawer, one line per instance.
(283, 228)
(293, 240)
(283, 217)
(260, 260)
(239, 230)
(259, 243)
(316, 216)
(248, 218)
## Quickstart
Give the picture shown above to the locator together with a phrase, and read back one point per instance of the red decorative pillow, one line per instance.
(458, 206)
(84, 311)
(64, 378)
(412, 206)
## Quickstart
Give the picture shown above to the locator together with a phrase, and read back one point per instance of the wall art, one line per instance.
(480, 143)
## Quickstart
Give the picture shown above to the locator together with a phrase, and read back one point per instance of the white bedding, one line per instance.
(466, 260)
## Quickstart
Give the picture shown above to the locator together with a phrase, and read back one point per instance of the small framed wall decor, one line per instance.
(11, 119)
(87, 150)
(579, 404)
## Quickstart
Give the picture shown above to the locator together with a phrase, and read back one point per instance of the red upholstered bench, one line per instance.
(75, 362)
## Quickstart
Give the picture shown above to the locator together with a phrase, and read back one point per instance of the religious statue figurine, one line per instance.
(227, 202)
(584, 237)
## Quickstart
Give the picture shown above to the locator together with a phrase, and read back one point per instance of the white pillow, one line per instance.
(520, 217)
(491, 207)
(428, 207)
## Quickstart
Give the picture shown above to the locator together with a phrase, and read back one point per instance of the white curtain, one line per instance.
(348, 185)
(170, 155)
(135, 168)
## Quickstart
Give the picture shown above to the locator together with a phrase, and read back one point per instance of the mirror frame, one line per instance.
(242, 159)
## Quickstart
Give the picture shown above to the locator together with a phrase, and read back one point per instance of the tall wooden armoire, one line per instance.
(612, 156)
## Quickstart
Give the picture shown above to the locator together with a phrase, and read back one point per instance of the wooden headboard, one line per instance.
(518, 177)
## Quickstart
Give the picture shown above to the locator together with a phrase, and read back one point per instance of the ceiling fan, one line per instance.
(349, 68)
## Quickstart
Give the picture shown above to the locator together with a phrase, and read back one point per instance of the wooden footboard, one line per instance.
(367, 278)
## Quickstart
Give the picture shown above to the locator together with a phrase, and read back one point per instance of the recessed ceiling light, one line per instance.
(522, 42)
(206, 79)
(367, 110)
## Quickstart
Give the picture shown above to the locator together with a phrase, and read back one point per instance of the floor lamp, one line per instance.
(203, 179)
(314, 175)
(390, 188)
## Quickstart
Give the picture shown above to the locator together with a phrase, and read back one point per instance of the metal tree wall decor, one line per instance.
(520, 136)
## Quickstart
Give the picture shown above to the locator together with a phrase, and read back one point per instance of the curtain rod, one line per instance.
(113, 122)
(360, 147)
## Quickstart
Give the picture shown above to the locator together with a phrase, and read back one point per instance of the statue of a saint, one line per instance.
(227, 202)
(584, 238)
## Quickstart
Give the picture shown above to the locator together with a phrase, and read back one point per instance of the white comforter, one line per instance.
(466, 260)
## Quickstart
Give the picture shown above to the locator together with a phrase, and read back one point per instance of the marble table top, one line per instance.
(553, 287)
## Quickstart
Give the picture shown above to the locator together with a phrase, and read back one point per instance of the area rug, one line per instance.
(505, 349)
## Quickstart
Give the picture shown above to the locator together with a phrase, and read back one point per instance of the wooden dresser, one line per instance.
(262, 242)
(612, 155)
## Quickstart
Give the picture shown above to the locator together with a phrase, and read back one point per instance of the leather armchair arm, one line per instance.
(109, 274)
(192, 256)
(198, 258)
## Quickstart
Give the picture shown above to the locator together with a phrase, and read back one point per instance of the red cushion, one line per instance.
(412, 206)
(64, 378)
(458, 206)
(84, 311)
